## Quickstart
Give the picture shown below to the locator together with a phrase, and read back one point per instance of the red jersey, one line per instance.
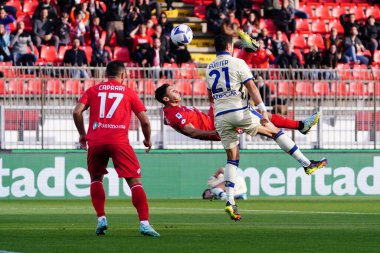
(110, 105)
(260, 59)
(179, 116)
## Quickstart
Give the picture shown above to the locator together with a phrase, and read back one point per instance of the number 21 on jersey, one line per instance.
(218, 75)
(103, 97)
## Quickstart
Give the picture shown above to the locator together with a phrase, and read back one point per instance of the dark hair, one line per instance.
(221, 42)
(115, 68)
(207, 194)
(161, 92)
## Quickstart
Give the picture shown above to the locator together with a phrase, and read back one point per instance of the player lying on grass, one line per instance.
(195, 124)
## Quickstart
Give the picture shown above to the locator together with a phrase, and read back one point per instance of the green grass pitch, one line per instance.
(343, 224)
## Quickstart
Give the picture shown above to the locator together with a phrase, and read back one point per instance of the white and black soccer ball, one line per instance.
(181, 35)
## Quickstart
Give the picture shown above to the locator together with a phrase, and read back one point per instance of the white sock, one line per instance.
(230, 180)
(286, 144)
(145, 222)
(219, 193)
(101, 217)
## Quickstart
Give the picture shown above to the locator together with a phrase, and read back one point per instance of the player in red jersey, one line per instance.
(198, 125)
(111, 105)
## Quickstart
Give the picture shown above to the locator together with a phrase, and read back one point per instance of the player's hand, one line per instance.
(147, 144)
(83, 142)
(265, 118)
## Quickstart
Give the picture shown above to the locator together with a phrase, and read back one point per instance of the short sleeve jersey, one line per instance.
(225, 77)
(111, 104)
(179, 116)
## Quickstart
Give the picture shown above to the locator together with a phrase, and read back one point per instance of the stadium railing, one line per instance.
(37, 102)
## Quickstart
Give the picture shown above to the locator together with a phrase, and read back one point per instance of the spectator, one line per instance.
(95, 9)
(229, 5)
(140, 55)
(66, 5)
(313, 59)
(140, 36)
(5, 54)
(243, 9)
(271, 7)
(95, 31)
(115, 15)
(5, 19)
(144, 8)
(252, 25)
(100, 57)
(169, 5)
(165, 43)
(229, 27)
(156, 57)
(371, 34)
(215, 14)
(284, 18)
(333, 39)
(10, 9)
(64, 30)
(46, 4)
(131, 22)
(76, 57)
(330, 61)
(150, 27)
(167, 26)
(353, 45)
(261, 57)
(269, 98)
(43, 31)
(180, 55)
(19, 44)
(348, 24)
(79, 27)
(289, 59)
(278, 45)
(264, 35)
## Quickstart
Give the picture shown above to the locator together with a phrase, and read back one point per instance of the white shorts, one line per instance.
(226, 124)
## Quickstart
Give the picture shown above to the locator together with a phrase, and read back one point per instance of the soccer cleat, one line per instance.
(148, 230)
(249, 44)
(232, 212)
(315, 165)
(310, 122)
(102, 227)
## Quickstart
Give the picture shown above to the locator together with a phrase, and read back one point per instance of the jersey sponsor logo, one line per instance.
(95, 125)
(183, 121)
(139, 171)
(226, 94)
(112, 126)
(179, 116)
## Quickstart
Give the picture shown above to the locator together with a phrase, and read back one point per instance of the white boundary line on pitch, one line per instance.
(4, 251)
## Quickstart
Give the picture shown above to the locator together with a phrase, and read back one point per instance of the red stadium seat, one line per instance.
(171, 66)
(121, 54)
(304, 88)
(132, 84)
(184, 87)
(200, 11)
(318, 26)
(338, 11)
(284, 37)
(321, 88)
(343, 71)
(267, 23)
(72, 87)
(356, 89)
(16, 4)
(48, 54)
(285, 89)
(371, 88)
(88, 83)
(146, 87)
(337, 25)
(160, 82)
(360, 72)
(88, 52)
(16, 86)
(376, 72)
(30, 6)
(308, 9)
(200, 87)
(34, 86)
(316, 39)
(302, 26)
(373, 11)
(7, 69)
(103, 5)
(61, 51)
(53, 86)
(343, 1)
(299, 55)
(359, 13)
(2, 87)
(133, 70)
(188, 70)
(322, 12)
(298, 41)
(376, 57)
(338, 89)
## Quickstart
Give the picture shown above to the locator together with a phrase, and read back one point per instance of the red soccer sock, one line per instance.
(282, 122)
(140, 202)
(98, 197)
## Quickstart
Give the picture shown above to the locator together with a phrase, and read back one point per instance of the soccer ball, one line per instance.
(181, 35)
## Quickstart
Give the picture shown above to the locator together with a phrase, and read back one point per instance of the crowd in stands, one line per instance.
(87, 32)
(284, 36)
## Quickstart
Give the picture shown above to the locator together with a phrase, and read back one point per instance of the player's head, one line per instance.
(166, 94)
(115, 70)
(223, 43)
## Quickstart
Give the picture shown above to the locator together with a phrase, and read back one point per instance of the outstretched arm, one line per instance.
(195, 133)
